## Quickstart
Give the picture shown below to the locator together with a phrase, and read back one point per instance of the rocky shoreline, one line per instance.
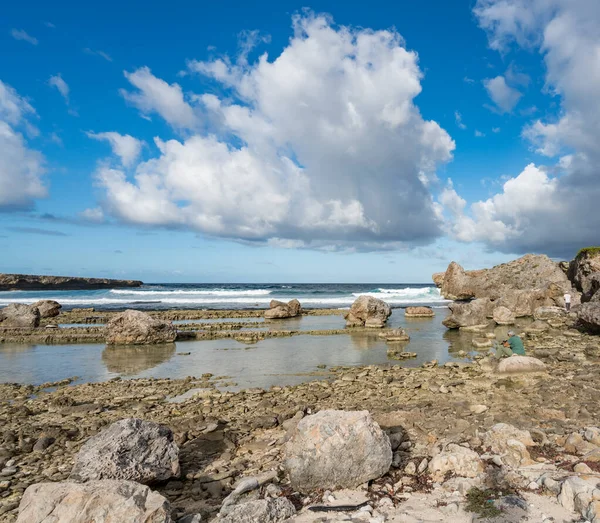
(225, 436)
(472, 440)
(31, 282)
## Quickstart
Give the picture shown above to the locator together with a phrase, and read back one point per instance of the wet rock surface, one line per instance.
(139, 328)
(225, 437)
(367, 311)
(19, 316)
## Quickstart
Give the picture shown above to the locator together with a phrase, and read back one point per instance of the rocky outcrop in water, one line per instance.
(469, 314)
(138, 328)
(97, 501)
(336, 449)
(130, 449)
(20, 315)
(367, 311)
(520, 285)
(279, 310)
(48, 308)
(419, 312)
(30, 282)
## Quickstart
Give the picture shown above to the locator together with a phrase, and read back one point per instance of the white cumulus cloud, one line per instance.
(551, 209)
(21, 168)
(154, 95)
(321, 144)
(504, 96)
(126, 147)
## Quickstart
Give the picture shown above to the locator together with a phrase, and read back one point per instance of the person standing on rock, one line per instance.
(513, 345)
(567, 297)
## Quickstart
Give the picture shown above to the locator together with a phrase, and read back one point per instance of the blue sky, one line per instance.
(306, 165)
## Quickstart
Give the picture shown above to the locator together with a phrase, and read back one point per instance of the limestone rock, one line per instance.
(336, 449)
(537, 327)
(138, 328)
(520, 285)
(520, 364)
(584, 272)
(96, 501)
(19, 315)
(419, 312)
(589, 316)
(367, 311)
(549, 313)
(48, 308)
(438, 278)
(468, 314)
(260, 511)
(577, 494)
(456, 284)
(395, 335)
(509, 443)
(31, 282)
(280, 310)
(503, 316)
(130, 449)
(458, 460)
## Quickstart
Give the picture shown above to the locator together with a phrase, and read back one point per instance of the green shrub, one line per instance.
(588, 251)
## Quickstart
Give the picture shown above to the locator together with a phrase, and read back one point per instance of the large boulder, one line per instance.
(460, 461)
(468, 314)
(520, 364)
(367, 311)
(520, 285)
(438, 278)
(584, 272)
(48, 308)
(280, 310)
(96, 501)
(589, 316)
(130, 449)
(335, 448)
(419, 312)
(19, 315)
(138, 328)
(503, 316)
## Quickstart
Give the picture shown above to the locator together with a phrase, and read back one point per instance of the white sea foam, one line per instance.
(209, 292)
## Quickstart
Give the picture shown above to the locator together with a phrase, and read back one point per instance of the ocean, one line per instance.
(234, 296)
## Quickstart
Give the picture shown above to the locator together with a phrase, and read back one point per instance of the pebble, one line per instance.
(478, 409)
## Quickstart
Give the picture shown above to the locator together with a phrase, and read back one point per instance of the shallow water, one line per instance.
(273, 361)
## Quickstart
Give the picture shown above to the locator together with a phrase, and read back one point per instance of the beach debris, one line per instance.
(336, 448)
(367, 311)
(130, 449)
(139, 328)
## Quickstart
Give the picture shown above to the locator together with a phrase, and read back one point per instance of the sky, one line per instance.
(292, 142)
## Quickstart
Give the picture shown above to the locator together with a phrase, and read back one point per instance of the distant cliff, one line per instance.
(29, 282)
